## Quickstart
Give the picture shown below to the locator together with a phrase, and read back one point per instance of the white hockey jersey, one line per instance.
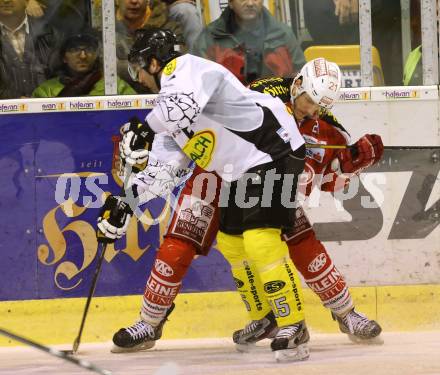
(217, 122)
(167, 168)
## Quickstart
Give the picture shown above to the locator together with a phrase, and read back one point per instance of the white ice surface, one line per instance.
(402, 354)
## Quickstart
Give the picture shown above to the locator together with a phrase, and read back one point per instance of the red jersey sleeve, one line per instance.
(322, 166)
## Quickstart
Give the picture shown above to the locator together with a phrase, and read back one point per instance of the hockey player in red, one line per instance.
(185, 239)
(328, 169)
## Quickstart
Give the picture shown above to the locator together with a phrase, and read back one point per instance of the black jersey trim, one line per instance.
(266, 138)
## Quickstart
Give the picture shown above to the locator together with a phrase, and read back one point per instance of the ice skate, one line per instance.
(290, 343)
(256, 330)
(139, 336)
(359, 328)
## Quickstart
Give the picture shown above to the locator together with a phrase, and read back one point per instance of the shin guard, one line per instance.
(172, 261)
(282, 287)
(319, 272)
(245, 276)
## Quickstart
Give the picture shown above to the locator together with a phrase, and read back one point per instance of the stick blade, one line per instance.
(67, 352)
(75, 345)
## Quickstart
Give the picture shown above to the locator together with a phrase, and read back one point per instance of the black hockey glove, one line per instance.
(113, 219)
(136, 142)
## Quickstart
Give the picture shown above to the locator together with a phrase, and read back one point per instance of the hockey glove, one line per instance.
(113, 219)
(367, 151)
(136, 142)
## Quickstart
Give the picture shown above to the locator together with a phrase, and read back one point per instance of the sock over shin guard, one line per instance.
(172, 261)
(282, 287)
(245, 276)
(320, 273)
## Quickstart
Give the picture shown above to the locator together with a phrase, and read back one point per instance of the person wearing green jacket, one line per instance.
(413, 69)
(80, 73)
(247, 40)
(133, 15)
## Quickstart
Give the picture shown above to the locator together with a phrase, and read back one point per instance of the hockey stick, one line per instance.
(56, 353)
(316, 145)
(89, 297)
(94, 281)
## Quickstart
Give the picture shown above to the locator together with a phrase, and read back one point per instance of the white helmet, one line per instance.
(321, 80)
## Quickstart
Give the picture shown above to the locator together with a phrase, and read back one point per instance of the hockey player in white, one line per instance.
(224, 127)
(177, 252)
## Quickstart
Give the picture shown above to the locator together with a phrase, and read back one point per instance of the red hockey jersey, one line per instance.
(322, 166)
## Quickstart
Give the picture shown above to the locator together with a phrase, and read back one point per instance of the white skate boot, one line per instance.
(290, 343)
(140, 336)
(359, 328)
(256, 330)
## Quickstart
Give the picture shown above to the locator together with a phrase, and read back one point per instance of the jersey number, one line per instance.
(280, 307)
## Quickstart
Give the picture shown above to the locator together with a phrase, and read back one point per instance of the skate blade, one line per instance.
(378, 340)
(246, 348)
(137, 348)
(300, 353)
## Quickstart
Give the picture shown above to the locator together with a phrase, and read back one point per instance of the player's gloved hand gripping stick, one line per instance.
(115, 215)
(113, 221)
(136, 136)
(367, 151)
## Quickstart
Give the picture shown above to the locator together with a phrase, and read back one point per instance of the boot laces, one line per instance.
(252, 326)
(355, 322)
(288, 332)
(140, 330)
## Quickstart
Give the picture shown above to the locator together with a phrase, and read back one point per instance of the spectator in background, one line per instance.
(337, 22)
(250, 42)
(133, 15)
(332, 21)
(413, 69)
(81, 73)
(70, 16)
(26, 47)
(347, 11)
(186, 13)
(35, 9)
(4, 90)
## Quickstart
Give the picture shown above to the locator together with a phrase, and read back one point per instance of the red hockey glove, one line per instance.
(367, 151)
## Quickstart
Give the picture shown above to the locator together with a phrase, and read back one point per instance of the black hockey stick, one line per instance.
(89, 297)
(410, 147)
(81, 363)
(317, 145)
